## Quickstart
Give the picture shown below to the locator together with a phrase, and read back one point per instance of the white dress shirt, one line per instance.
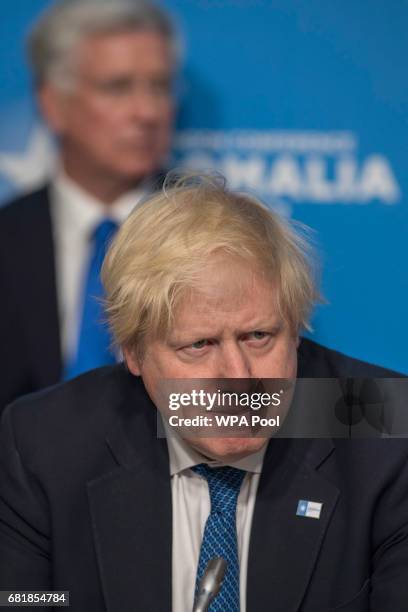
(75, 214)
(191, 507)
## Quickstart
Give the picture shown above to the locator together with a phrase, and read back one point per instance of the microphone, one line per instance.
(210, 583)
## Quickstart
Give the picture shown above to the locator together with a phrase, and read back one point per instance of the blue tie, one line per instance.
(220, 533)
(94, 343)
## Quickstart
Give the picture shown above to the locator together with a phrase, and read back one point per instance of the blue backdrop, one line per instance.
(303, 104)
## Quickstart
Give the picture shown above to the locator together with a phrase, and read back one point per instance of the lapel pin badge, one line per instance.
(310, 509)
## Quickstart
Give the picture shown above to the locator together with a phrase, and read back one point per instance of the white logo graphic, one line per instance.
(292, 167)
(33, 165)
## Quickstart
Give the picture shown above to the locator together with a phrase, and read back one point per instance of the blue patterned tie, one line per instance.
(220, 533)
(94, 344)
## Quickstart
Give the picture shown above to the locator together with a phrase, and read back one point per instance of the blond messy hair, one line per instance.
(159, 251)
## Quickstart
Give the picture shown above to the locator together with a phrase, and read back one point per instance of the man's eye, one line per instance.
(258, 339)
(199, 344)
(257, 335)
(114, 87)
(160, 87)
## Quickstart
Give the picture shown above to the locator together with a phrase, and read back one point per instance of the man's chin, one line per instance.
(227, 449)
(130, 169)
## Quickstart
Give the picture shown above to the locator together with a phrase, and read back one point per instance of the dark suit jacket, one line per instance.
(30, 345)
(85, 505)
(30, 352)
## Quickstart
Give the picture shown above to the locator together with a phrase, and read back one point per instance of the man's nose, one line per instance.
(234, 363)
(145, 106)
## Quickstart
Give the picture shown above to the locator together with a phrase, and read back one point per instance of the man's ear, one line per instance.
(53, 104)
(132, 361)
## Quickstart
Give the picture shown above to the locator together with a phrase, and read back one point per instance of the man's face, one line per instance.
(228, 328)
(116, 117)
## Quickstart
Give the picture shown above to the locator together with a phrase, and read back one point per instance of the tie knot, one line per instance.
(224, 484)
(104, 231)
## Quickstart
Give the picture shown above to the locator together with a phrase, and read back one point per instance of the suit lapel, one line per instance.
(132, 522)
(284, 547)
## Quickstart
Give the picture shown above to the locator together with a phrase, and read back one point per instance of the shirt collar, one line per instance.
(81, 212)
(182, 456)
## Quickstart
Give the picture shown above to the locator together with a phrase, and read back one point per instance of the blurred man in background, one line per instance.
(103, 73)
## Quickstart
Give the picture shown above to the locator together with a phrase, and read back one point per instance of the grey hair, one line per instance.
(61, 28)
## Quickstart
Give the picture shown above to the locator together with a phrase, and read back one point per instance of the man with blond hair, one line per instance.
(201, 284)
(103, 72)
